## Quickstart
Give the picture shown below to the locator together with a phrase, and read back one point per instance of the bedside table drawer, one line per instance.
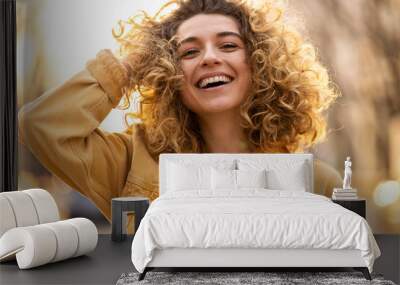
(357, 206)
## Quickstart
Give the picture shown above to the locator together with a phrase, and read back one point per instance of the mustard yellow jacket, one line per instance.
(61, 129)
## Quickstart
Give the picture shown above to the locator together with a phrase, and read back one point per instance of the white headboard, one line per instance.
(201, 159)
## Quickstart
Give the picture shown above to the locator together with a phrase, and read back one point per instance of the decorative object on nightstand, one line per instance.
(358, 205)
(345, 193)
(122, 211)
(347, 174)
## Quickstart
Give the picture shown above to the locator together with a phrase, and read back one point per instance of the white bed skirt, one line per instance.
(193, 257)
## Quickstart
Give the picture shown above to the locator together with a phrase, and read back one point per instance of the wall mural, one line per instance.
(359, 42)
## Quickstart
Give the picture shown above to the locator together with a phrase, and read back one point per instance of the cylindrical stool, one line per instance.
(120, 208)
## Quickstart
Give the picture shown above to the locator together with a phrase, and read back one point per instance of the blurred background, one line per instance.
(358, 40)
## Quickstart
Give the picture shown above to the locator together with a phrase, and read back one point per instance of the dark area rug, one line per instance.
(230, 278)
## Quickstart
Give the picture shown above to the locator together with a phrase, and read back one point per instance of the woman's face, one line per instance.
(213, 59)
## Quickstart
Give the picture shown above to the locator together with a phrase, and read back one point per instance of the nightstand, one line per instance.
(358, 206)
(121, 208)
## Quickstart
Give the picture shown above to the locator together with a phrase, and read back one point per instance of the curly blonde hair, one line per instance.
(290, 87)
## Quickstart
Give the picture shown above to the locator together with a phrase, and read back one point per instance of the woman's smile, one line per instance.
(220, 88)
(211, 82)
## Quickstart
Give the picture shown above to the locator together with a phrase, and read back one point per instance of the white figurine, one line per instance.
(347, 174)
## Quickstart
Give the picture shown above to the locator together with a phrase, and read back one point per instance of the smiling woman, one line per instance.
(276, 93)
(213, 76)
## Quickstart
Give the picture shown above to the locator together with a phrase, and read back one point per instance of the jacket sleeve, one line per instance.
(61, 129)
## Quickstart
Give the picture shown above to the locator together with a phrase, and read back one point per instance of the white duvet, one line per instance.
(252, 218)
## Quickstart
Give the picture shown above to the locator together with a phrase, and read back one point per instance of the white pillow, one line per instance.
(293, 178)
(251, 178)
(235, 179)
(223, 179)
(181, 177)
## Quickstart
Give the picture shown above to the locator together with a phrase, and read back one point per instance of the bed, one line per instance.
(245, 211)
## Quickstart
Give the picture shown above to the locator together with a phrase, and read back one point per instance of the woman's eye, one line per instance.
(189, 52)
(230, 45)
(192, 52)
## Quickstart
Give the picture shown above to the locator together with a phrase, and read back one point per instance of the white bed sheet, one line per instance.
(251, 218)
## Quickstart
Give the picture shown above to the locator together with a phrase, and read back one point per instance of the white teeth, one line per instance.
(208, 80)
